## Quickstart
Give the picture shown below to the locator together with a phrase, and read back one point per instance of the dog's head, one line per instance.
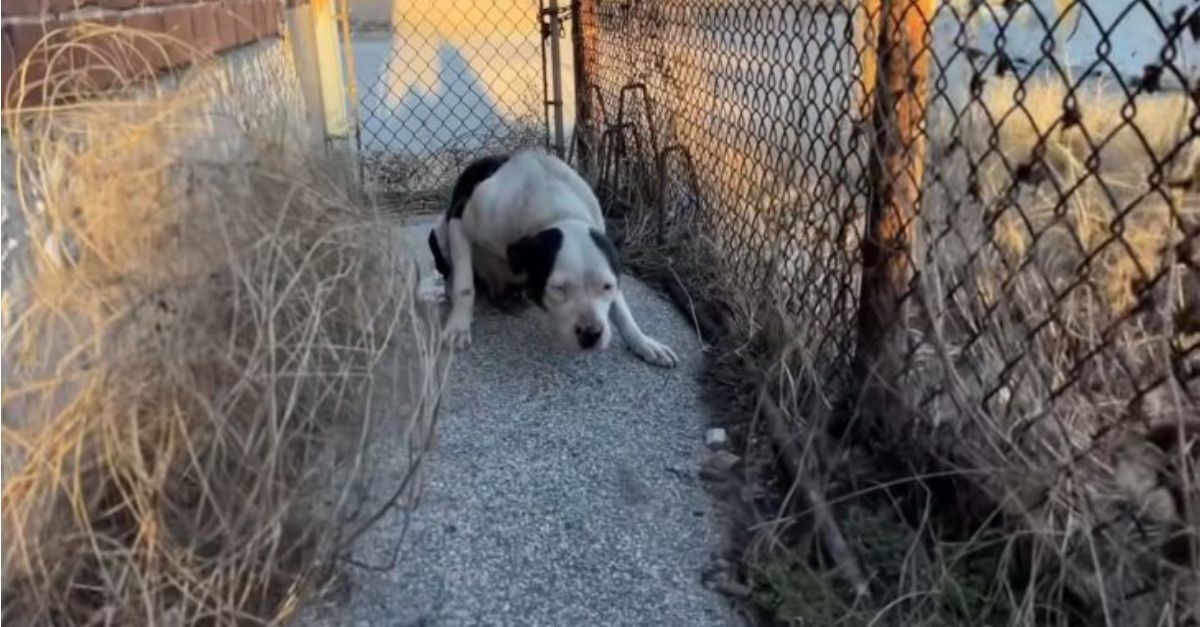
(572, 272)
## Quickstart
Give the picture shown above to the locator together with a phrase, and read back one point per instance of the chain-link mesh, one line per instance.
(751, 107)
(454, 80)
(1004, 191)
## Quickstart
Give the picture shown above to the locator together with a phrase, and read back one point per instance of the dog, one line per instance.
(528, 222)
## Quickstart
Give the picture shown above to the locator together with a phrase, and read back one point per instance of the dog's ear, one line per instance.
(535, 253)
(607, 247)
(534, 256)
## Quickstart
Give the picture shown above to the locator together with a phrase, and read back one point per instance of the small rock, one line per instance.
(718, 465)
(723, 460)
(733, 589)
(678, 470)
(716, 438)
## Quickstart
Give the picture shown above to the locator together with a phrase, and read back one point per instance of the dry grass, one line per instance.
(1051, 341)
(420, 181)
(1052, 332)
(1086, 201)
(1049, 348)
(191, 350)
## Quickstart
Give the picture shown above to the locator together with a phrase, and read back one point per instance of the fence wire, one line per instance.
(1014, 183)
(751, 108)
(451, 81)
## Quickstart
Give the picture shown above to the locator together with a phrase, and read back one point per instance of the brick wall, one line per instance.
(205, 26)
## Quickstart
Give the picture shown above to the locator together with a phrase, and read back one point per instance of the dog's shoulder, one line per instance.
(475, 173)
(563, 191)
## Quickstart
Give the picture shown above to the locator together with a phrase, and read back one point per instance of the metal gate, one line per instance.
(450, 81)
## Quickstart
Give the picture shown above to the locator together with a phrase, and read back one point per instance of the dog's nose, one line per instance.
(588, 336)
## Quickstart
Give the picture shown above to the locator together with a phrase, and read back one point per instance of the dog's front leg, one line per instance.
(642, 345)
(462, 281)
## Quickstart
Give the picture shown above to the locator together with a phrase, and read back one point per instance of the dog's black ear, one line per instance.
(610, 251)
(535, 252)
(534, 256)
(439, 261)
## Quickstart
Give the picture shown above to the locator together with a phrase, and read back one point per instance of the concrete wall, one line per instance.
(256, 87)
(371, 10)
(255, 62)
(248, 79)
(258, 41)
(202, 28)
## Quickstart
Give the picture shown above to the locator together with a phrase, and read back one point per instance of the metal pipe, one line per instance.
(556, 74)
(543, 31)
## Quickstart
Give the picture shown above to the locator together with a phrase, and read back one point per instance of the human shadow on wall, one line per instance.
(456, 110)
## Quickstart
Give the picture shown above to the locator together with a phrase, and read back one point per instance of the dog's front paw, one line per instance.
(458, 333)
(655, 352)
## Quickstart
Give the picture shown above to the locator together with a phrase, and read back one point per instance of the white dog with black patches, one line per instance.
(530, 221)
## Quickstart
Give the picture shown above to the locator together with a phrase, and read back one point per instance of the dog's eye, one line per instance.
(608, 287)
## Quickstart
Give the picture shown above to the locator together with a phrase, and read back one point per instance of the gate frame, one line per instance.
(550, 18)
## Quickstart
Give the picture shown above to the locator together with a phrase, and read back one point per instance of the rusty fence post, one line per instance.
(865, 29)
(584, 37)
(895, 168)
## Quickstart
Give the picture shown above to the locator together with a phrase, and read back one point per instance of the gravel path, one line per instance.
(563, 490)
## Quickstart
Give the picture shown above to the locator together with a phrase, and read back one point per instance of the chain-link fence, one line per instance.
(751, 107)
(450, 81)
(986, 211)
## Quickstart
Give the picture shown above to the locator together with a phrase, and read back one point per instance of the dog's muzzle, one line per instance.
(588, 336)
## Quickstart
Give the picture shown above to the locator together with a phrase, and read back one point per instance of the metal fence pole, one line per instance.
(896, 166)
(553, 29)
(351, 84)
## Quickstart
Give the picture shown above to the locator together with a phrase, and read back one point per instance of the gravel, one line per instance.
(563, 490)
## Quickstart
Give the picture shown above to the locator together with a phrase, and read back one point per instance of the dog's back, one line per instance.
(529, 191)
(518, 195)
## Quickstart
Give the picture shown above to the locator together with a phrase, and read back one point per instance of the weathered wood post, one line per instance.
(329, 60)
(895, 168)
(865, 18)
(584, 39)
